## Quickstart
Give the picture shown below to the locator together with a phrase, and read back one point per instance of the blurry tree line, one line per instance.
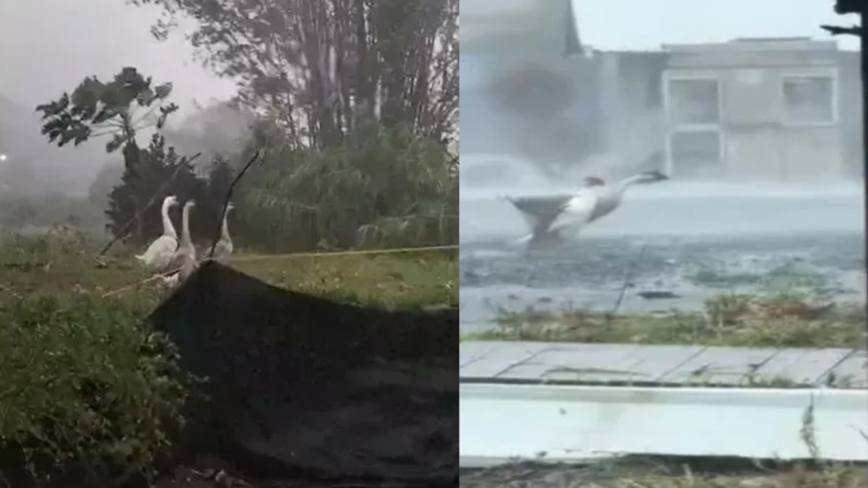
(354, 103)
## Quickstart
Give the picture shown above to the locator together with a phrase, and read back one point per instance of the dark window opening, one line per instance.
(694, 102)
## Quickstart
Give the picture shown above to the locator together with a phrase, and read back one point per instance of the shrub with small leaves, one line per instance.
(85, 386)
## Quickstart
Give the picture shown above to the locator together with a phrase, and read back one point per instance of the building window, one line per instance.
(694, 101)
(809, 100)
(695, 152)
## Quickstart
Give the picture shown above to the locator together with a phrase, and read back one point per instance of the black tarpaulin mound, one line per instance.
(303, 388)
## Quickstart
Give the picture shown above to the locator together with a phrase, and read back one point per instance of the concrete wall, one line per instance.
(633, 108)
(613, 120)
(757, 144)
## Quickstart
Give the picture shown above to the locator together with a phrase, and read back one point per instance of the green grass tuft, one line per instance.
(782, 319)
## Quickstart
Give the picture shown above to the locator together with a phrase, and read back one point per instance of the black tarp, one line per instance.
(303, 388)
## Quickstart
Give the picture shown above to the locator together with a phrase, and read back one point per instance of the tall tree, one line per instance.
(323, 66)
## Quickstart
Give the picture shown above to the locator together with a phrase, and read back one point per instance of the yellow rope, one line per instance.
(264, 257)
(139, 283)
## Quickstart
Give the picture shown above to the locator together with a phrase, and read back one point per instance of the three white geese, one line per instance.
(550, 217)
(175, 258)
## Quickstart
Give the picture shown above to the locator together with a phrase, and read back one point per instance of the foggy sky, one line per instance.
(48, 46)
(654, 22)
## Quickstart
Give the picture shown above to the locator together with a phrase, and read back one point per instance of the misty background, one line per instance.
(536, 122)
(768, 191)
(345, 110)
(47, 47)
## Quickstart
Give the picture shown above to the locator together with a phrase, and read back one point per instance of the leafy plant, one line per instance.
(85, 386)
(381, 188)
(98, 108)
(157, 165)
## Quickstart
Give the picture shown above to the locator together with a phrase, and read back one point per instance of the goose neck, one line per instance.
(186, 240)
(168, 228)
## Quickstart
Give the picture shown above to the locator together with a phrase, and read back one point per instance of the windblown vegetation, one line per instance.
(353, 159)
(774, 319)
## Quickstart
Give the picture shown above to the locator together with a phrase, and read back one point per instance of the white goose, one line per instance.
(549, 217)
(160, 252)
(183, 262)
(223, 249)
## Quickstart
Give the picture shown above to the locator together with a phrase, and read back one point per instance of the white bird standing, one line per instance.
(549, 217)
(183, 262)
(160, 252)
(223, 249)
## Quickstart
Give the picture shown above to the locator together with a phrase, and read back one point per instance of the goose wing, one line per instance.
(577, 211)
(223, 249)
(540, 212)
(605, 203)
(180, 260)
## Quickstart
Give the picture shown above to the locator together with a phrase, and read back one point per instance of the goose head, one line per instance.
(190, 203)
(593, 181)
(171, 200)
(652, 176)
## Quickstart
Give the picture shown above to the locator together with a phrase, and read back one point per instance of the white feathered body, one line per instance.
(222, 250)
(588, 205)
(183, 263)
(159, 253)
(553, 218)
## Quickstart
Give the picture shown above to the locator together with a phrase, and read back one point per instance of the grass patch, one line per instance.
(66, 263)
(388, 281)
(86, 387)
(781, 319)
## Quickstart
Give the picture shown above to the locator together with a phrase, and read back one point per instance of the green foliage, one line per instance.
(770, 320)
(156, 165)
(97, 108)
(388, 188)
(85, 385)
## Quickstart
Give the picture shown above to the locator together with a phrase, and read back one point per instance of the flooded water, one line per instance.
(665, 251)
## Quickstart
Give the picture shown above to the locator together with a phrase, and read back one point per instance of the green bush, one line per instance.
(381, 188)
(84, 385)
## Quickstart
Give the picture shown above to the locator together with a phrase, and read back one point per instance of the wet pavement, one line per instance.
(660, 254)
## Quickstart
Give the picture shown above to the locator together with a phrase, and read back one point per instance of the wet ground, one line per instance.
(660, 254)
